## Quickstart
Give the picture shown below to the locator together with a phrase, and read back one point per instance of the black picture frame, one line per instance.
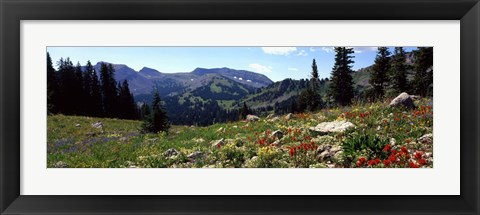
(13, 11)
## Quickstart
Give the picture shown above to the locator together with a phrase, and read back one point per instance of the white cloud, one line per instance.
(293, 69)
(260, 68)
(357, 50)
(363, 49)
(312, 49)
(249, 80)
(240, 79)
(279, 50)
(328, 49)
(302, 53)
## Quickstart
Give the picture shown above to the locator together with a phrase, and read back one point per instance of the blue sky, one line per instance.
(277, 63)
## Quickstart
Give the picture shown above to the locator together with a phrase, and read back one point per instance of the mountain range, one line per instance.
(169, 84)
(205, 96)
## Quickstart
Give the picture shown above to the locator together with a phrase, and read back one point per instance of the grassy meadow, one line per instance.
(382, 137)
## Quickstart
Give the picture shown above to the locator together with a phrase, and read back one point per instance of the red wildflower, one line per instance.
(293, 138)
(413, 165)
(408, 140)
(418, 155)
(361, 161)
(392, 158)
(422, 161)
(386, 162)
(387, 148)
(404, 150)
(218, 145)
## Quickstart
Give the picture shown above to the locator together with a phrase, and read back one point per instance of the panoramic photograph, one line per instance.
(239, 107)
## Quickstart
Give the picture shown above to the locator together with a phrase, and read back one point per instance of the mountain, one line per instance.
(241, 76)
(169, 84)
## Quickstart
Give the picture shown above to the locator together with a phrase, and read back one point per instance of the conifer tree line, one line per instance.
(75, 91)
(389, 76)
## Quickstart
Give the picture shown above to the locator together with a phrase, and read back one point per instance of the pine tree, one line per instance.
(341, 85)
(52, 87)
(378, 77)
(423, 78)
(108, 89)
(96, 94)
(126, 103)
(80, 99)
(244, 111)
(87, 88)
(158, 120)
(315, 99)
(144, 111)
(67, 79)
(398, 71)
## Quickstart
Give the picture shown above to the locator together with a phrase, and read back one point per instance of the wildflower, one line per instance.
(387, 148)
(392, 158)
(408, 141)
(371, 163)
(386, 162)
(361, 161)
(418, 155)
(413, 165)
(422, 161)
(404, 150)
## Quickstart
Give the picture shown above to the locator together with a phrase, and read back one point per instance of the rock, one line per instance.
(289, 116)
(327, 152)
(277, 143)
(277, 134)
(426, 139)
(218, 143)
(402, 100)
(270, 116)
(331, 127)
(324, 155)
(393, 141)
(198, 140)
(252, 118)
(194, 155)
(123, 139)
(274, 119)
(98, 125)
(77, 125)
(60, 164)
(171, 152)
(414, 97)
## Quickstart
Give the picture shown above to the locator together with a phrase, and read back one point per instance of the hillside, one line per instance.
(380, 137)
(143, 81)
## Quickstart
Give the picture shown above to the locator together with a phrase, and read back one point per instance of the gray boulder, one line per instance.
(98, 125)
(252, 118)
(60, 164)
(171, 152)
(402, 100)
(277, 134)
(426, 139)
(331, 127)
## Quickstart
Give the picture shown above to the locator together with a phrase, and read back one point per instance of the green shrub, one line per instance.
(368, 145)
